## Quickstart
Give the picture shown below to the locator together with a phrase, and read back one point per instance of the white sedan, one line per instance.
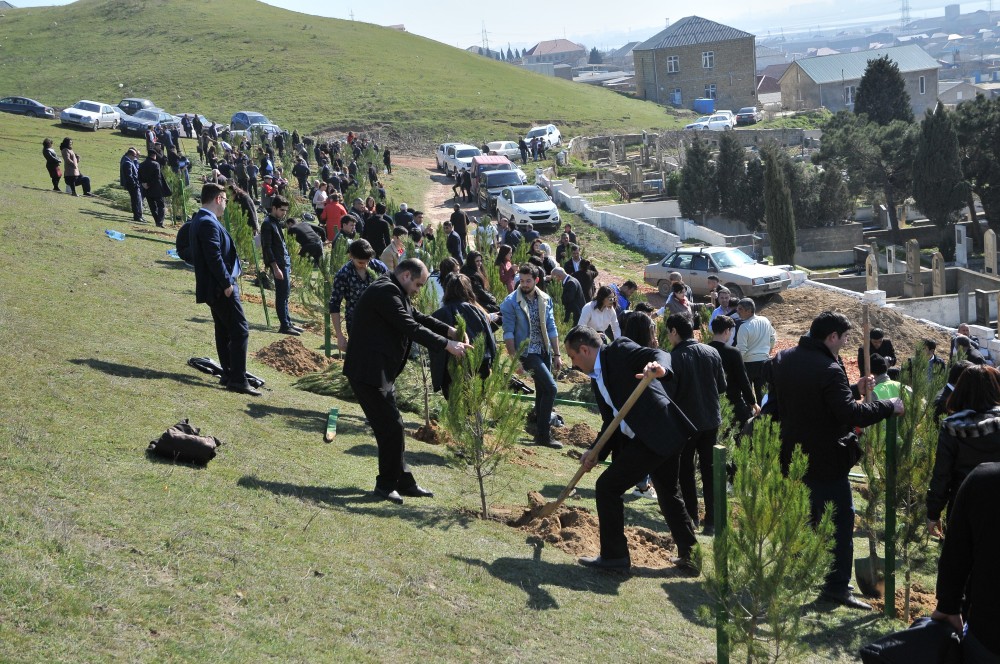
(507, 149)
(90, 114)
(715, 122)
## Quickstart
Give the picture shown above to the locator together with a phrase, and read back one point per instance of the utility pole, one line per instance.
(486, 39)
(904, 14)
(352, 14)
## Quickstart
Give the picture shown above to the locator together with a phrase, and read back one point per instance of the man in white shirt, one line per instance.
(755, 341)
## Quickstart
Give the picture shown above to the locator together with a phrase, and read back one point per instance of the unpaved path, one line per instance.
(438, 203)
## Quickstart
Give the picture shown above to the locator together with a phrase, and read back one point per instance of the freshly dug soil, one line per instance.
(432, 435)
(289, 356)
(575, 531)
(922, 603)
(525, 457)
(579, 435)
(573, 376)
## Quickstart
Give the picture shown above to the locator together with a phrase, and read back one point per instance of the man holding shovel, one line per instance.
(648, 442)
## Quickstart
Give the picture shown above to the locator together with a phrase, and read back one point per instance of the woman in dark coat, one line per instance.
(387, 160)
(968, 437)
(460, 301)
(52, 162)
(473, 269)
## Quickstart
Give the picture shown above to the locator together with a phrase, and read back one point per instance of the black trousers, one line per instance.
(379, 406)
(232, 334)
(632, 462)
(755, 372)
(157, 208)
(701, 443)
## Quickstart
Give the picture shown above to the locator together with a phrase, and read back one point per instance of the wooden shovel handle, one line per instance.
(866, 344)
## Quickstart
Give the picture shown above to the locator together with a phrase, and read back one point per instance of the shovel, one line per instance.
(548, 508)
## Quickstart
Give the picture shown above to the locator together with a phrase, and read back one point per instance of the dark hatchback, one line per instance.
(148, 117)
(25, 106)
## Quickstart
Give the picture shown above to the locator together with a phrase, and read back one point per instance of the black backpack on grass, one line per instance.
(182, 443)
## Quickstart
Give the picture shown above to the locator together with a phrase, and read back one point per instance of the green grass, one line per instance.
(274, 551)
(804, 120)
(303, 72)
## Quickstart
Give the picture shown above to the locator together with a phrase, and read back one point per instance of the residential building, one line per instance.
(831, 81)
(556, 51)
(697, 58)
(953, 93)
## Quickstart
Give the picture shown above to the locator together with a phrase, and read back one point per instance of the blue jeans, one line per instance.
(838, 492)
(282, 289)
(545, 393)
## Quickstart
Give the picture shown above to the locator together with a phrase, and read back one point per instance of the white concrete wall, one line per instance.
(942, 309)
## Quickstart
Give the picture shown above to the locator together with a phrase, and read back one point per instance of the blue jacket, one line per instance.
(514, 311)
(213, 254)
(129, 175)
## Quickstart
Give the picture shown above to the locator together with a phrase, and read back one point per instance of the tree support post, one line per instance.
(721, 524)
(890, 517)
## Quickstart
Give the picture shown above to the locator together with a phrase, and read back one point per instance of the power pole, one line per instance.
(904, 14)
(486, 39)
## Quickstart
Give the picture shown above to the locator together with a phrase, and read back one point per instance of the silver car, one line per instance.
(90, 114)
(742, 275)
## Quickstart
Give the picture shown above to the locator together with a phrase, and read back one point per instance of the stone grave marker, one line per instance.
(961, 248)
(890, 259)
(982, 307)
(990, 251)
(913, 286)
(937, 274)
(871, 273)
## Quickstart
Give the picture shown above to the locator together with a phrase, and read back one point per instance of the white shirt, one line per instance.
(319, 199)
(600, 319)
(598, 375)
(755, 339)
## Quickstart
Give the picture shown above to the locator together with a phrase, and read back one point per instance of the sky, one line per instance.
(462, 23)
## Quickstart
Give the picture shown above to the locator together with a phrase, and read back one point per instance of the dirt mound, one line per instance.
(579, 435)
(432, 435)
(291, 357)
(922, 603)
(573, 376)
(575, 531)
(525, 457)
(254, 298)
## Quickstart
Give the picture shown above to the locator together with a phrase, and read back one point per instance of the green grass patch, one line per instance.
(804, 120)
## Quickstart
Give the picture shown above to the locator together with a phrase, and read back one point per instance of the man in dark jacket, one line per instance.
(129, 177)
(388, 325)
(573, 299)
(880, 344)
(739, 392)
(154, 188)
(453, 242)
(460, 221)
(698, 381)
(403, 218)
(648, 441)
(310, 238)
(275, 251)
(817, 407)
(378, 229)
(216, 271)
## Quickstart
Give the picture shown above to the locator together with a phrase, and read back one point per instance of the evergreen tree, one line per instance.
(480, 50)
(835, 203)
(517, 54)
(978, 124)
(751, 196)
(882, 94)
(698, 196)
(729, 171)
(778, 209)
(510, 54)
(595, 57)
(938, 185)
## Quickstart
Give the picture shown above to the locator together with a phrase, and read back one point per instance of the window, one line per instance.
(849, 93)
(710, 91)
(675, 97)
(708, 59)
(958, 95)
(673, 64)
(923, 85)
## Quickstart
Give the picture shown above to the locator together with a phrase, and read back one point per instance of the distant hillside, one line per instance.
(306, 72)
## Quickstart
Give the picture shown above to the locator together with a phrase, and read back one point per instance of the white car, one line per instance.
(507, 149)
(459, 156)
(728, 114)
(442, 155)
(717, 122)
(528, 204)
(547, 132)
(90, 114)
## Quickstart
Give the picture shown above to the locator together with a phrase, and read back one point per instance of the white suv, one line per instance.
(528, 204)
(549, 133)
(459, 156)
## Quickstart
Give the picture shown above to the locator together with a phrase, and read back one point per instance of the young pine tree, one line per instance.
(698, 196)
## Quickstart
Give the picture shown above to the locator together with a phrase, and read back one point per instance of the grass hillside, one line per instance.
(305, 72)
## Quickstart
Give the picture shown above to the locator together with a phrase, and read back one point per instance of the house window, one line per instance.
(710, 91)
(673, 64)
(958, 95)
(708, 59)
(849, 93)
(923, 85)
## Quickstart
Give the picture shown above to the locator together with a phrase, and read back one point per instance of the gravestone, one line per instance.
(871, 273)
(961, 248)
(612, 153)
(963, 306)
(937, 274)
(890, 259)
(990, 251)
(882, 214)
(982, 307)
(912, 285)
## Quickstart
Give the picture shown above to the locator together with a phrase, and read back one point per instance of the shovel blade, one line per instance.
(870, 575)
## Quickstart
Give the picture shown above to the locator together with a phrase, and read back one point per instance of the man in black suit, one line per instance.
(154, 188)
(879, 344)
(378, 229)
(453, 242)
(216, 270)
(573, 299)
(648, 442)
(460, 221)
(385, 325)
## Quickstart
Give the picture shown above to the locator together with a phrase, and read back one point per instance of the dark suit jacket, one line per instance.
(384, 327)
(885, 350)
(378, 232)
(151, 175)
(652, 419)
(454, 244)
(213, 254)
(477, 325)
(698, 381)
(573, 299)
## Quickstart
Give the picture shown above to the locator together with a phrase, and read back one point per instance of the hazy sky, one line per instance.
(461, 22)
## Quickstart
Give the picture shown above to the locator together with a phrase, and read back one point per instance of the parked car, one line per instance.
(149, 117)
(742, 275)
(251, 121)
(484, 163)
(204, 121)
(748, 115)
(442, 155)
(547, 132)
(717, 122)
(132, 105)
(507, 149)
(528, 204)
(25, 106)
(460, 156)
(728, 114)
(491, 183)
(91, 114)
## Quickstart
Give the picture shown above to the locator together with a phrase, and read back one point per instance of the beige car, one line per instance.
(742, 275)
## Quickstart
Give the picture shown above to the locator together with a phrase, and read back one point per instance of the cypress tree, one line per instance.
(751, 196)
(778, 209)
(882, 94)
(939, 188)
(698, 195)
(729, 171)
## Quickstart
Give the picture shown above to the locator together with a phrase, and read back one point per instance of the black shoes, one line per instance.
(290, 331)
(391, 496)
(243, 389)
(416, 491)
(554, 444)
(685, 565)
(709, 530)
(597, 562)
(844, 598)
